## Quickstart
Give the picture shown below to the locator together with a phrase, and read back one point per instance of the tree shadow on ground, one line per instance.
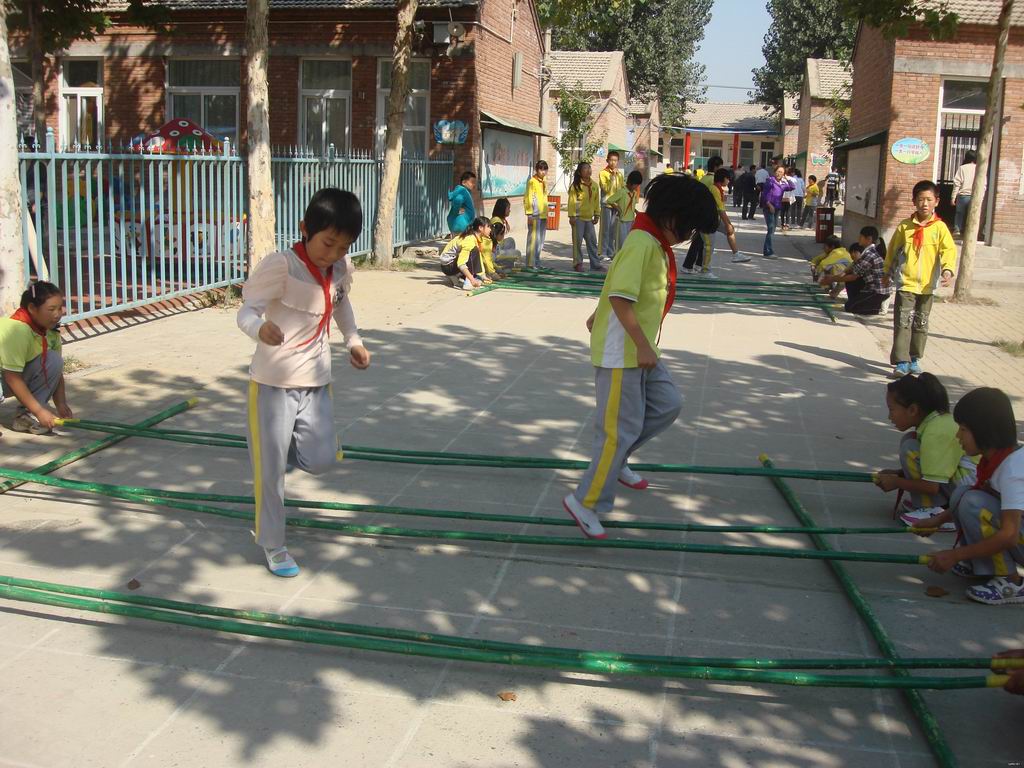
(509, 393)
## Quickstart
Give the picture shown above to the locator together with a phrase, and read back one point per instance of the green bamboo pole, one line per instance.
(711, 286)
(117, 492)
(493, 645)
(682, 278)
(943, 754)
(451, 458)
(565, 522)
(99, 445)
(594, 666)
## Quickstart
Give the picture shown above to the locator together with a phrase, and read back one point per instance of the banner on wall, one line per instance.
(910, 151)
(507, 163)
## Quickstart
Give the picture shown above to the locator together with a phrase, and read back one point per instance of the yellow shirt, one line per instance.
(812, 191)
(700, 174)
(916, 272)
(611, 182)
(484, 244)
(829, 262)
(625, 201)
(535, 201)
(584, 202)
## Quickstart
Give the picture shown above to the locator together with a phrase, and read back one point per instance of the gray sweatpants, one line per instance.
(977, 517)
(41, 387)
(286, 427)
(633, 405)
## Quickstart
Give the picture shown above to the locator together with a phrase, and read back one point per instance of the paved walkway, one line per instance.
(504, 372)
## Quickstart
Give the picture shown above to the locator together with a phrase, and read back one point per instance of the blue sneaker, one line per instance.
(280, 563)
(915, 366)
(901, 370)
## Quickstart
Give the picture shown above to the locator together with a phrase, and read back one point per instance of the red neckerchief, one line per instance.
(22, 315)
(324, 281)
(988, 466)
(645, 223)
(918, 238)
(633, 197)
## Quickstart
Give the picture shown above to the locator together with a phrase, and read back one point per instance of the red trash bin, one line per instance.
(554, 211)
(824, 223)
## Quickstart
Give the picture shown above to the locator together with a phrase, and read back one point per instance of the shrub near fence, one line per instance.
(118, 230)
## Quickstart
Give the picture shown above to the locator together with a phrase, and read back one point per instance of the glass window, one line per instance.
(327, 75)
(83, 73)
(204, 73)
(963, 94)
(419, 75)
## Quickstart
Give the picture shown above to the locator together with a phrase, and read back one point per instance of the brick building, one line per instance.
(329, 74)
(790, 126)
(741, 134)
(826, 81)
(933, 93)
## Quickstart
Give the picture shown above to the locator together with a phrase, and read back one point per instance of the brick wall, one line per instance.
(896, 87)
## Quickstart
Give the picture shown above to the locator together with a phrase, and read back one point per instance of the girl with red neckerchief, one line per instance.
(30, 357)
(988, 513)
(289, 300)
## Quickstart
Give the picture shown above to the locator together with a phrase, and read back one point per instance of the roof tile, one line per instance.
(732, 116)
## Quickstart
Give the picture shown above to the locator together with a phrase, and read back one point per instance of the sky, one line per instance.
(732, 47)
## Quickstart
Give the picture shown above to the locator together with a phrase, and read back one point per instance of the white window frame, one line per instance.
(325, 94)
(78, 92)
(993, 169)
(170, 91)
(762, 160)
(715, 146)
(382, 105)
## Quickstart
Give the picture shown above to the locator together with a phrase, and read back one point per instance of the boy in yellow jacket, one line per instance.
(535, 205)
(611, 180)
(921, 255)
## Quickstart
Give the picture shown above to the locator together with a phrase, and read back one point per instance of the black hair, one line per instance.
(812, 177)
(970, 156)
(714, 162)
(502, 208)
(541, 165)
(475, 224)
(925, 391)
(682, 205)
(855, 248)
(38, 293)
(833, 241)
(753, 167)
(988, 413)
(577, 177)
(876, 238)
(612, 152)
(333, 208)
(722, 174)
(925, 186)
(635, 178)
(466, 176)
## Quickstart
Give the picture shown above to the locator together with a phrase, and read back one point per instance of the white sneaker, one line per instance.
(709, 275)
(468, 286)
(280, 562)
(686, 270)
(631, 479)
(918, 518)
(585, 518)
(26, 422)
(740, 257)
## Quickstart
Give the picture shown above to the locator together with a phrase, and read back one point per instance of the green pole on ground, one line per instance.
(937, 742)
(456, 641)
(445, 458)
(99, 445)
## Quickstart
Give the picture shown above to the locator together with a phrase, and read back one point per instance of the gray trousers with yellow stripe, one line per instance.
(609, 231)
(536, 232)
(286, 427)
(633, 405)
(977, 517)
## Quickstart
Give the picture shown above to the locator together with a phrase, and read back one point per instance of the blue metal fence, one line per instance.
(118, 230)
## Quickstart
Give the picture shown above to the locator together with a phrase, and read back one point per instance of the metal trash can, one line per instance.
(824, 223)
(554, 211)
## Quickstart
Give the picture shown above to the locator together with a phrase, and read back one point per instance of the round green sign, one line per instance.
(911, 151)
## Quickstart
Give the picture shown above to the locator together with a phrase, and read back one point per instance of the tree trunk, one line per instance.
(384, 224)
(965, 272)
(36, 57)
(12, 254)
(261, 192)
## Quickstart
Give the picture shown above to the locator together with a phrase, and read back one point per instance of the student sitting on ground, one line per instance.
(866, 292)
(469, 256)
(504, 245)
(988, 512)
(932, 461)
(832, 261)
(30, 360)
